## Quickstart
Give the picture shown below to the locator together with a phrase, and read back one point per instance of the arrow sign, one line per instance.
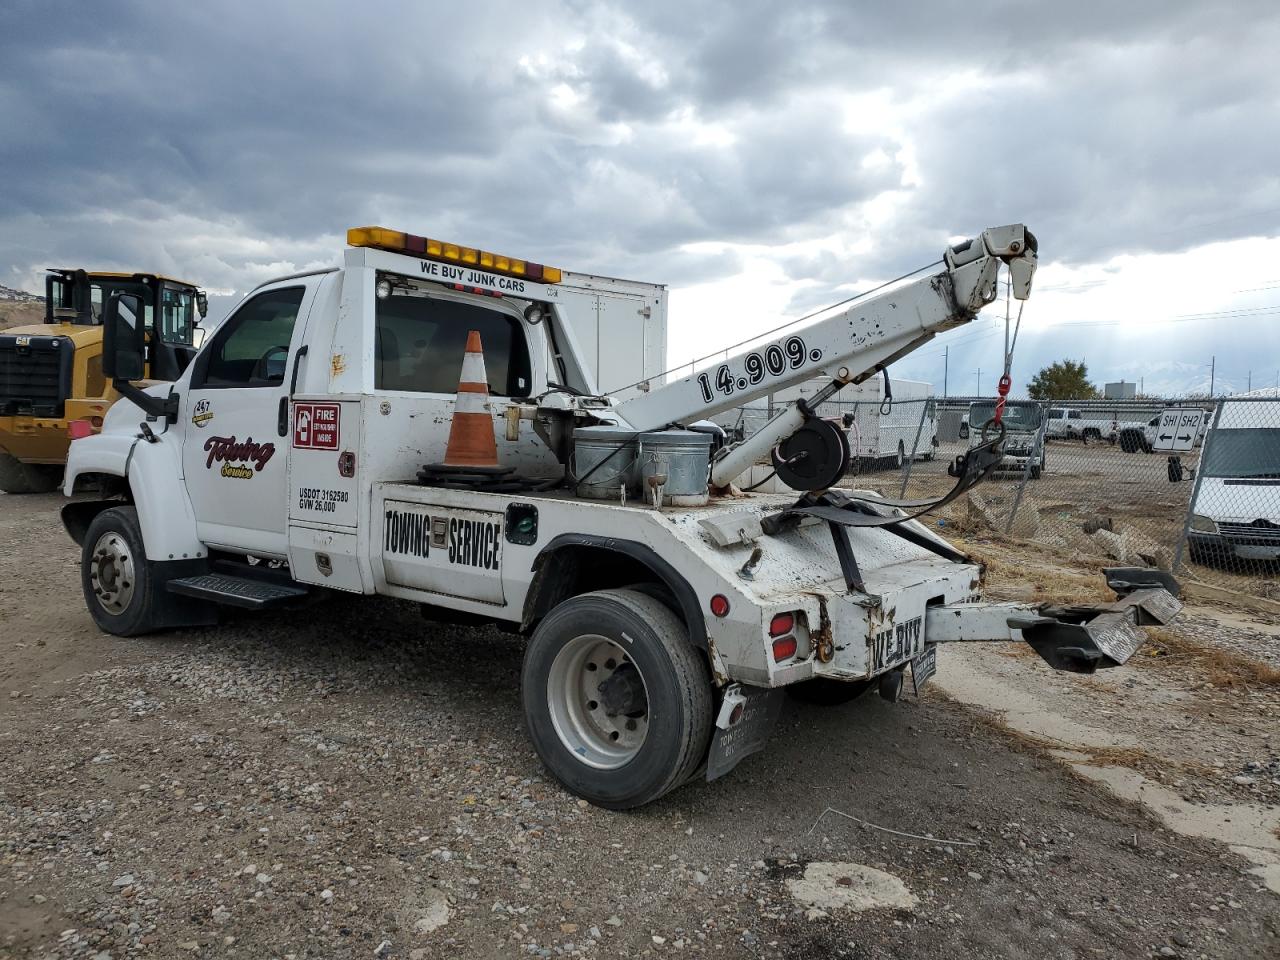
(1178, 428)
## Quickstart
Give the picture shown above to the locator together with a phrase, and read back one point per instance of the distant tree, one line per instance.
(1064, 380)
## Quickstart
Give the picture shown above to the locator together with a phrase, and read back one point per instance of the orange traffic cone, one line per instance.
(471, 441)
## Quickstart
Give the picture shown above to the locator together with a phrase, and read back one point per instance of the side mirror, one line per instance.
(202, 303)
(964, 430)
(124, 343)
(197, 337)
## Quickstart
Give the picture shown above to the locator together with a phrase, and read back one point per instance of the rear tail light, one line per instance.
(79, 429)
(784, 648)
(782, 624)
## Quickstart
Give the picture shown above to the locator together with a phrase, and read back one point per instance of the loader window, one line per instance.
(177, 315)
(420, 341)
(251, 348)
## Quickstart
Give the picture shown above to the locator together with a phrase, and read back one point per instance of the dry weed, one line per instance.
(1223, 668)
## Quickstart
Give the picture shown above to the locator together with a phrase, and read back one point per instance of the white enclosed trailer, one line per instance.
(882, 431)
(313, 431)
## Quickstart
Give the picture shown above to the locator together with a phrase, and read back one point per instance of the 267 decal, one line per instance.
(773, 361)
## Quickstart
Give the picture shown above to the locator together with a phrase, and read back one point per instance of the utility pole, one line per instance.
(1250, 382)
(979, 393)
(1213, 368)
(946, 363)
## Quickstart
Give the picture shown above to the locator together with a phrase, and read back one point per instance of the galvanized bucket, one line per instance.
(604, 462)
(684, 458)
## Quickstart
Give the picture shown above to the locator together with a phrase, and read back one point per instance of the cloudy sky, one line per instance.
(760, 158)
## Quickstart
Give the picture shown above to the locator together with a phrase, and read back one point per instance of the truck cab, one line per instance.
(1023, 430)
(51, 374)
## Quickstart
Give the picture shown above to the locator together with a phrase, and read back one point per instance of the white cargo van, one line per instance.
(1236, 513)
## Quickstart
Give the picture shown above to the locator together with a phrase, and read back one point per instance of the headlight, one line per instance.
(1202, 524)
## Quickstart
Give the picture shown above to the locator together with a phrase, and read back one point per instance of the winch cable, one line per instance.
(969, 469)
(724, 351)
(1006, 378)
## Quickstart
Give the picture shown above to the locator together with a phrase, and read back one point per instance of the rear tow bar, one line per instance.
(1074, 638)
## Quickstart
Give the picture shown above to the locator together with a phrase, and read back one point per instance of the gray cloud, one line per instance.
(228, 140)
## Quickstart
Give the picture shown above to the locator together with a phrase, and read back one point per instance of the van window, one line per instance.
(420, 340)
(1243, 453)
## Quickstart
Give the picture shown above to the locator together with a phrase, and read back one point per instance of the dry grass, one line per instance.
(1012, 573)
(1223, 668)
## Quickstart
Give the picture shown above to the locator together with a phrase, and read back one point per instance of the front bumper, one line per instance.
(1211, 545)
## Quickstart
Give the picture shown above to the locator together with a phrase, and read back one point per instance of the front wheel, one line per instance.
(616, 700)
(118, 586)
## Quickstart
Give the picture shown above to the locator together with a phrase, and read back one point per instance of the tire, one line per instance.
(19, 477)
(580, 744)
(824, 692)
(119, 588)
(1129, 443)
(1035, 472)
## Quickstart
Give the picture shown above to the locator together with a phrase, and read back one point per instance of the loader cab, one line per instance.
(172, 310)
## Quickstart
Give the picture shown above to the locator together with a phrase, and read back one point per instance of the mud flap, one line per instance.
(1082, 639)
(743, 726)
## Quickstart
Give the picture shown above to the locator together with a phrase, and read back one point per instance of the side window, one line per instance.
(251, 349)
(177, 315)
(419, 342)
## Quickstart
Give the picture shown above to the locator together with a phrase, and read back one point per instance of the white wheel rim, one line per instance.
(111, 572)
(598, 702)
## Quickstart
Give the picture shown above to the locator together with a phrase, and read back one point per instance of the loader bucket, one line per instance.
(1082, 639)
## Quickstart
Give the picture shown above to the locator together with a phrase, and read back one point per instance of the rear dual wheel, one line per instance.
(617, 701)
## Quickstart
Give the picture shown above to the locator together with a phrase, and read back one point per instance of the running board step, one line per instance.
(235, 591)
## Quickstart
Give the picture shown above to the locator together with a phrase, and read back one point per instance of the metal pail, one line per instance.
(684, 458)
(604, 461)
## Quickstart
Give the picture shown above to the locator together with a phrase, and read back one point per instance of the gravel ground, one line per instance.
(352, 781)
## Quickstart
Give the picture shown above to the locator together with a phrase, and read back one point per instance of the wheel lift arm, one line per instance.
(1077, 639)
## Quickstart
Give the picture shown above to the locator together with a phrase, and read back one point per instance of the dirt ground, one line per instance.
(353, 781)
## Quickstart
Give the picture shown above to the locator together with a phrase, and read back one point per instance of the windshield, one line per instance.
(1017, 416)
(1243, 453)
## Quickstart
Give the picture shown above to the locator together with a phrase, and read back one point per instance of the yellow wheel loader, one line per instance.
(51, 381)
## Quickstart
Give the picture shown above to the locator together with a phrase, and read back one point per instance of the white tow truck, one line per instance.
(305, 449)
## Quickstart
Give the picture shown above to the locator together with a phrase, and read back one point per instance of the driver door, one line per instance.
(236, 422)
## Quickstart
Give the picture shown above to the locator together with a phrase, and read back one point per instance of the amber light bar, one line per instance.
(383, 239)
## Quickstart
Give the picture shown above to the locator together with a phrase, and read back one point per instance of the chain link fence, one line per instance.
(1188, 485)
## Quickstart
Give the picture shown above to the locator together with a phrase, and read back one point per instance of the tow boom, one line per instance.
(848, 346)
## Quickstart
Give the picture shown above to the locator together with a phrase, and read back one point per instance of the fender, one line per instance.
(543, 595)
(154, 474)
